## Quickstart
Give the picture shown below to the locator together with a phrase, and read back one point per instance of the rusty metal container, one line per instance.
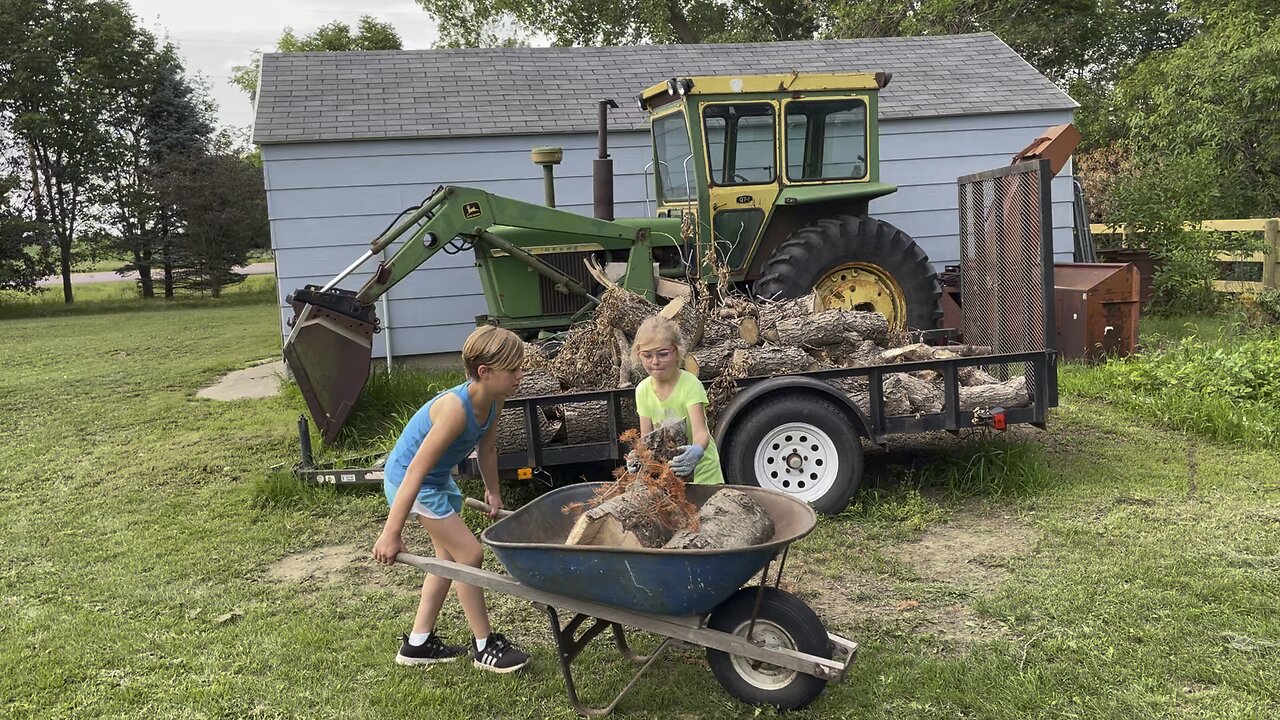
(1096, 307)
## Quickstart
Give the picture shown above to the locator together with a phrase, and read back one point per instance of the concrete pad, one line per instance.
(260, 381)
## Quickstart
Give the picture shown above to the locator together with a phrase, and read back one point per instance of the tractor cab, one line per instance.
(750, 160)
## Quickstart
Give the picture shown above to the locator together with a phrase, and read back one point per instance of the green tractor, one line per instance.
(767, 176)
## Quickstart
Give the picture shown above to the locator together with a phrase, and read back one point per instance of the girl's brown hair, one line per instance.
(491, 345)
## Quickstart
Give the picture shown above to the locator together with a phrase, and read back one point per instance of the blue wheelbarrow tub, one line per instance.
(530, 544)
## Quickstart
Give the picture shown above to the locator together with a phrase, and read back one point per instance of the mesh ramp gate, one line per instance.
(1006, 263)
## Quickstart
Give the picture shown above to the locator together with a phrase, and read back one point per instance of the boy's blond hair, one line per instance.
(491, 345)
(657, 331)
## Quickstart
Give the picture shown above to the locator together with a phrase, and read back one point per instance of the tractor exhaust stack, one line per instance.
(602, 168)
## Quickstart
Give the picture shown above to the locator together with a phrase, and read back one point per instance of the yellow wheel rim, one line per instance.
(863, 286)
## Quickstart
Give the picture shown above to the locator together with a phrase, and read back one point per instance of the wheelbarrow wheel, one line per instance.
(784, 621)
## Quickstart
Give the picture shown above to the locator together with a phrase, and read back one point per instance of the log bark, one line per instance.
(624, 310)
(1010, 394)
(665, 440)
(586, 422)
(627, 520)
(537, 384)
(511, 436)
(728, 519)
(921, 396)
(711, 361)
(973, 375)
(770, 360)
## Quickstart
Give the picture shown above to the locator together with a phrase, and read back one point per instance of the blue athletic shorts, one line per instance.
(434, 502)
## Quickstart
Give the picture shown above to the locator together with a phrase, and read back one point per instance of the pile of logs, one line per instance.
(730, 338)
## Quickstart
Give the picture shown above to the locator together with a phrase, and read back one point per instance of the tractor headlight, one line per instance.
(673, 87)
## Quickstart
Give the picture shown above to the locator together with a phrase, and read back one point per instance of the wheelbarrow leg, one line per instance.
(568, 647)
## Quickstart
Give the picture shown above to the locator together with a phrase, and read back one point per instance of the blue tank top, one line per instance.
(416, 431)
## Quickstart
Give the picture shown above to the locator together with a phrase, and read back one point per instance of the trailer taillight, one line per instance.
(524, 473)
(998, 421)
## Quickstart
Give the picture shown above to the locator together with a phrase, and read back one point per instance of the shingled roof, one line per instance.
(326, 96)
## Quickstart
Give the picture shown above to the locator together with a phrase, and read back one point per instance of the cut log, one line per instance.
(907, 353)
(711, 361)
(749, 330)
(770, 360)
(665, 440)
(729, 519)
(537, 384)
(973, 375)
(624, 310)
(921, 396)
(511, 435)
(1009, 394)
(771, 313)
(586, 422)
(627, 520)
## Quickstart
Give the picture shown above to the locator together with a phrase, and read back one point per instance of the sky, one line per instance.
(212, 37)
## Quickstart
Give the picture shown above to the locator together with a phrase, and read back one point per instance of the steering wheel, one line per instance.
(736, 176)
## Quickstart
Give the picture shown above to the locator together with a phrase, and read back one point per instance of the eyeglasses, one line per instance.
(660, 355)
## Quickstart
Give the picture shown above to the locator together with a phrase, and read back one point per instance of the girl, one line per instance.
(671, 394)
(419, 482)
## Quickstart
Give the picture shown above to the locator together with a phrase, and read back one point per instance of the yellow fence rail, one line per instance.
(1269, 257)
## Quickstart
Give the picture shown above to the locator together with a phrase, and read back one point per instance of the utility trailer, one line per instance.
(799, 433)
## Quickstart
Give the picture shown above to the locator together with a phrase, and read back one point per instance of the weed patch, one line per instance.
(1224, 386)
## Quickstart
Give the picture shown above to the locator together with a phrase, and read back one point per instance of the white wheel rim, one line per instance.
(762, 675)
(799, 459)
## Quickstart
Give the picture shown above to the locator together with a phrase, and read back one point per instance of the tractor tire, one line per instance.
(783, 621)
(815, 251)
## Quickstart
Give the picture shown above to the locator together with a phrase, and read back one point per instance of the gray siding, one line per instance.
(327, 200)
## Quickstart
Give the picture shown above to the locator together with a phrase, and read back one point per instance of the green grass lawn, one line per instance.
(1109, 568)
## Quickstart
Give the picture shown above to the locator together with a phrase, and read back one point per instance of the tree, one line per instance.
(65, 68)
(221, 210)
(24, 243)
(371, 34)
(163, 117)
(1218, 93)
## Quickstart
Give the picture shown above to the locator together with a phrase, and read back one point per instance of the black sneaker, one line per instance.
(432, 651)
(500, 656)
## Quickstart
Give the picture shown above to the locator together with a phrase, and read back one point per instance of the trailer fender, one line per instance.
(786, 384)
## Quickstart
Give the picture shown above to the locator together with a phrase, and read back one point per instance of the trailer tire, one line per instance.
(763, 445)
(784, 620)
(818, 254)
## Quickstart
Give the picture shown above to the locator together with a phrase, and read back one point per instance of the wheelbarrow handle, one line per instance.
(483, 507)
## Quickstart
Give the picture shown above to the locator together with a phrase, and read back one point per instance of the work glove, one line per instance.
(633, 463)
(685, 463)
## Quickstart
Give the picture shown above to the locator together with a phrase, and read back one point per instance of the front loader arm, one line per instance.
(330, 345)
(453, 212)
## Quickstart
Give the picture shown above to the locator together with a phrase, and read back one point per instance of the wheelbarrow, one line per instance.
(765, 645)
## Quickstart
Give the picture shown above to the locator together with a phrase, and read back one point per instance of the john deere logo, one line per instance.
(471, 210)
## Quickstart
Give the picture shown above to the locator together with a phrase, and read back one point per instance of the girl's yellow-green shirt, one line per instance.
(688, 391)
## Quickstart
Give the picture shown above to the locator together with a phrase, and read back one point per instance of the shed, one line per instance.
(350, 139)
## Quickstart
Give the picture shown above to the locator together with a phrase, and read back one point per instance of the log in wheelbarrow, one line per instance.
(765, 645)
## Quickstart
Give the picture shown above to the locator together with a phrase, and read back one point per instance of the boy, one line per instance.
(419, 482)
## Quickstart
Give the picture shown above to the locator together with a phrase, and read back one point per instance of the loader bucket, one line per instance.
(328, 353)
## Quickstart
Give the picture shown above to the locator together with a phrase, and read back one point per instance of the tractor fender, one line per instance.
(785, 385)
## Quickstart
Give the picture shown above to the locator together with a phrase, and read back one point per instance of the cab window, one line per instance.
(675, 169)
(826, 140)
(740, 143)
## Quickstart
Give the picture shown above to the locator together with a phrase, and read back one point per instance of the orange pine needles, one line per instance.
(665, 490)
